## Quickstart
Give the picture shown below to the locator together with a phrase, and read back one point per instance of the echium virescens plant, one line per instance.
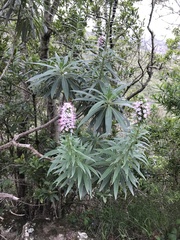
(103, 151)
(73, 161)
(111, 164)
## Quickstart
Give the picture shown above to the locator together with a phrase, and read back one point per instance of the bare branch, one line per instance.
(7, 195)
(143, 86)
(111, 23)
(150, 65)
(54, 8)
(138, 78)
(15, 214)
(28, 146)
(8, 63)
(152, 38)
(3, 237)
(14, 142)
(16, 137)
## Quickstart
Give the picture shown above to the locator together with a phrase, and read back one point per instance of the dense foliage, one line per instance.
(79, 124)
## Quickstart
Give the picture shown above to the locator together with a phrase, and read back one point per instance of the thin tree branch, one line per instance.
(16, 137)
(15, 214)
(7, 195)
(137, 79)
(111, 23)
(14, 142)
(3, 237)
(151, 63)
(54, 8)
(7, 65)
(28, 146)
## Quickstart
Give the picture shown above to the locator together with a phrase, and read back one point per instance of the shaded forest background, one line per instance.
(116, 174)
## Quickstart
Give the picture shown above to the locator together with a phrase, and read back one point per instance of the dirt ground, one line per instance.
(18, 228)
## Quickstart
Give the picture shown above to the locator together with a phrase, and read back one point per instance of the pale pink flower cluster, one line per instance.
(101, 41)
(67, 119)
(142, 109)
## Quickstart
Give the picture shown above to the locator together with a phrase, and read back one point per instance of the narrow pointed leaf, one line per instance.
(95, 108)
(54, 87)
(69, 187)
(108, 120)
(116, 173)
(80, 173)
(116, 188)
(60, 178)
(65, 87)
(65, 60)
(120, 119)
(99, 120)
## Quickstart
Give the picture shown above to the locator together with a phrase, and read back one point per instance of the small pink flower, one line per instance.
(67, 118)
(145, 115)
(142, 110)
(101, 41)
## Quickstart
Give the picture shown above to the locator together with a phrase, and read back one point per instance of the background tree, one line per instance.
(48, 60)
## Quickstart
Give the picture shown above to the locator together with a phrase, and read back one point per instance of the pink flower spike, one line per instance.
(67, 118)
(101, 41)
(142, 110)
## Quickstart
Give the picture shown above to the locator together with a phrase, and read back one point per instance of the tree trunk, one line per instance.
(49, 13)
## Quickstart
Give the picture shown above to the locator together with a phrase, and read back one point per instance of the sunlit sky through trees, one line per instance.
(164, 18)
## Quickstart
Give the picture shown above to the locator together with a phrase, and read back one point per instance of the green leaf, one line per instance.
(65, 87)
(63, 184)
(51, 153)
(107, 172)
(123, 103)
(108, 120)
(95, 108)
(105, 182)
(130, 186)
(43, 65)
(73, 171)
(94, 171)
(65, 60)
(43, 76)
(81, 166)
(137, 169)
(116, 173)
(60, 168)
(82, 191)
(79, 175)
(54, 87)
(87, 184)
(86, 94)
(57, 58)
(125, 167)
(120, 119)
(86, 157)
(132, 178)
(88, 172)
(70, 185)
(60, 178)
(116, 188)
(99, 119)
